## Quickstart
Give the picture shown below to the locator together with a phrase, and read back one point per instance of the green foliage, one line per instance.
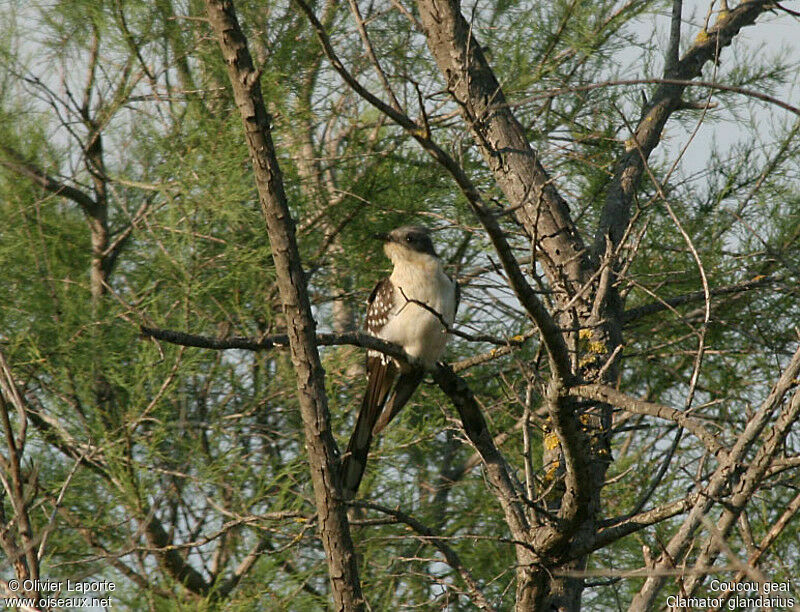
(209, 444)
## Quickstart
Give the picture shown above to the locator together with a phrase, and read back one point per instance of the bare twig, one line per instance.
(429, 536)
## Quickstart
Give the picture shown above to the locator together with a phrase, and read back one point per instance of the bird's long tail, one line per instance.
(403, 390)
(372, 418)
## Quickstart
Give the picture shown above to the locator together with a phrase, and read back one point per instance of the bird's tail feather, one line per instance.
(407, 383)
(354, 461)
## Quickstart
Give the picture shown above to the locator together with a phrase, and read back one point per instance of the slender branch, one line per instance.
(362, 30)
(750, 93)
(428, 535)
(224, 589)
(633, 314)
(16, 163)
(605, 393)
(477, 431)
(777, 528)
(275, 341)
(636, 523)
(495, 353)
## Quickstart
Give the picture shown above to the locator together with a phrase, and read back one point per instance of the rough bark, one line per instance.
(579, 458)
(583, 281)
(323, 460)
(503, 143)
(97, 215)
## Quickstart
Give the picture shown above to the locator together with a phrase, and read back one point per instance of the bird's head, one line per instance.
(409, 244)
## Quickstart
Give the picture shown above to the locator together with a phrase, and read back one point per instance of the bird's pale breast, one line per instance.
(423, 300)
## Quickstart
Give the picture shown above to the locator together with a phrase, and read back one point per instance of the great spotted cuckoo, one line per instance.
(413, 307)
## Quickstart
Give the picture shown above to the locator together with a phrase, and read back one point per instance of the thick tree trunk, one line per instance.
(589, 308)
(323, 460)
(576, 456)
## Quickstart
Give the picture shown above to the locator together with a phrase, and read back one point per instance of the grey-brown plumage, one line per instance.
(413, 308)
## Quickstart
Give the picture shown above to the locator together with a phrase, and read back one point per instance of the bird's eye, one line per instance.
(409, 238)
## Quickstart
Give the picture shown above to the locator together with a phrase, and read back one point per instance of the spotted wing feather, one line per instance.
(379, 308)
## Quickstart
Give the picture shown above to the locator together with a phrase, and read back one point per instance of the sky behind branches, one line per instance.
(777, 35)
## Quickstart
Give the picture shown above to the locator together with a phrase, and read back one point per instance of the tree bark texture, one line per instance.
(323, 459)
(589, 310)
(579, 453)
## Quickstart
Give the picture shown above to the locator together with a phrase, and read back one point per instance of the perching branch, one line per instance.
(274, 341)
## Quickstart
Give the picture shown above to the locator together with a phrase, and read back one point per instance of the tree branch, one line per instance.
(612, 396)
(17, 164)
(633, 314)
(275, 341)
(666, 100)
(636, 523)
(503, 143)
(477, 431)
(323, 456)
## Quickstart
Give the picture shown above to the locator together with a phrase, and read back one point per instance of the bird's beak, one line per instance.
(381, 236)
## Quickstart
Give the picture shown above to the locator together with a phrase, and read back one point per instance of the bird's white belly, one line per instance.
(418, 331)
(413, 326)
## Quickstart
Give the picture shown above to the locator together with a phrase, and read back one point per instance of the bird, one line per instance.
(415, 307)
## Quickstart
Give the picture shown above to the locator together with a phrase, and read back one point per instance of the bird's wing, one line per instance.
(379, 307)
(381, 373)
